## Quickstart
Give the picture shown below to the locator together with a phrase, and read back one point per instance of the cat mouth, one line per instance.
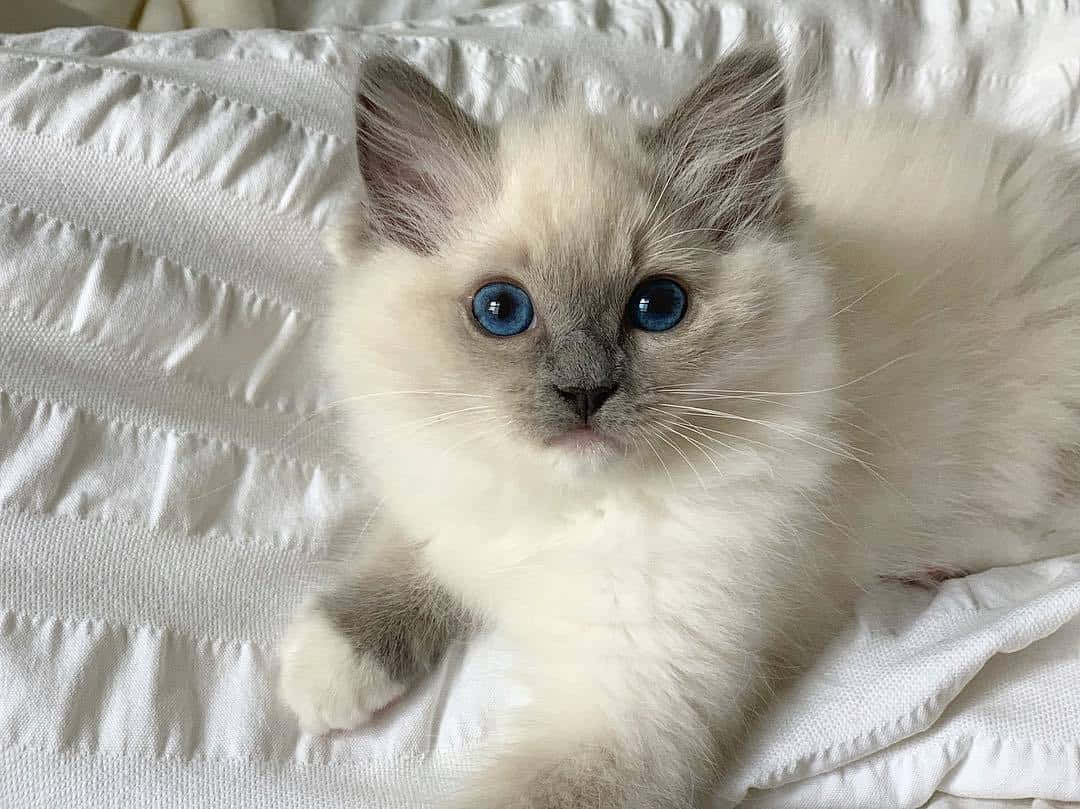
(582, 439)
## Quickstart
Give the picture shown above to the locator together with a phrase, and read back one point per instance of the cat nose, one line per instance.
(586, 401)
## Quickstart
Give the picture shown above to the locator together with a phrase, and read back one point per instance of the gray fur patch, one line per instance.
(396, 613)
(584, 360)
(1067, 477)
(723, 147)
(599, 780)
(585, 780)
(417, 151)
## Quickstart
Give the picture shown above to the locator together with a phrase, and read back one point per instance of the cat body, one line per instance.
(875, 373)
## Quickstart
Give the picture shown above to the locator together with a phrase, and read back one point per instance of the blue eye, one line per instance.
(502, 309)
(656, 305)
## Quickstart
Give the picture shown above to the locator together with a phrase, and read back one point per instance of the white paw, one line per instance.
(326, 682)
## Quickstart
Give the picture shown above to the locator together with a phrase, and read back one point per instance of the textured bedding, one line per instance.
(170, 465)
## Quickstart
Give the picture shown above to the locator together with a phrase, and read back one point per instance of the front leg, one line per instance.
(361, 643)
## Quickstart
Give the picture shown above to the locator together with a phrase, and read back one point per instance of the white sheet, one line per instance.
(165, 489)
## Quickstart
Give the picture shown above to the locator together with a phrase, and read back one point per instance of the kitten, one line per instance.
(658, 403)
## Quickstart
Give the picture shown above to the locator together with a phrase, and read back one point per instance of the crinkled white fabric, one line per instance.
(169, 470)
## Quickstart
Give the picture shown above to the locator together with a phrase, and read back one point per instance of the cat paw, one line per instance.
(327, 682)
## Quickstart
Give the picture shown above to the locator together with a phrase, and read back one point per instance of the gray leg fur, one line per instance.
(387, 607)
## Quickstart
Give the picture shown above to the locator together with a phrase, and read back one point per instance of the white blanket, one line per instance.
(169, 470)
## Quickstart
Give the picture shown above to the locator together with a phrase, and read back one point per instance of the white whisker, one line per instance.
(697, 397)
(670, 425)
(667, 472)
(322, 410)
(855, 381)
(660, 434)
(712, 430)
(428, 421)
(839, 449)
(872, 289)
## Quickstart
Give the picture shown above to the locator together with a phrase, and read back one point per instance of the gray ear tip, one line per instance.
(758, 61)
(381, 72)
(382, 64)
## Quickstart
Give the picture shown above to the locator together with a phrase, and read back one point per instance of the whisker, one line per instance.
(320, 411)
(667, 472)
(300, 439)
(428, 421)
(411, 393)
(738, 397)
(855, 381)
(709, 434)
(702, 429)
(659, 434)
(502, 422)
(870, 291)
(694, 442)
(482, 422)
(841, 453)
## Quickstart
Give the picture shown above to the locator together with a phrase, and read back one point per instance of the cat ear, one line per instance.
(720, 150)
(420, 154)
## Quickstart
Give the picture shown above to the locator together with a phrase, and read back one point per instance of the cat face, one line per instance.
(555, 292)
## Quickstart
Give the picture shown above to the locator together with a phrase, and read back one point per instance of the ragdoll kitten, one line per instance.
(657, 403)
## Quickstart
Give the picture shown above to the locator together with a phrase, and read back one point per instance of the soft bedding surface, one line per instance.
(169, 457)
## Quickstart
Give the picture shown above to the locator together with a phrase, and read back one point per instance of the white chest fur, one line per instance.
(626, 584)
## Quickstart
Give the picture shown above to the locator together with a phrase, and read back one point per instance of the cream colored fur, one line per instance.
(898, 391)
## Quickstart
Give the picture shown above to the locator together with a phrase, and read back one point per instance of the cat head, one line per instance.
(566, 292)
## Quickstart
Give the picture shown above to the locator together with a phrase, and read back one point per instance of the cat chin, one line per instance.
(582, 440)
(581, 452)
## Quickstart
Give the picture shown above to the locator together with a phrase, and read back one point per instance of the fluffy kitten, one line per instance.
(733, 368)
